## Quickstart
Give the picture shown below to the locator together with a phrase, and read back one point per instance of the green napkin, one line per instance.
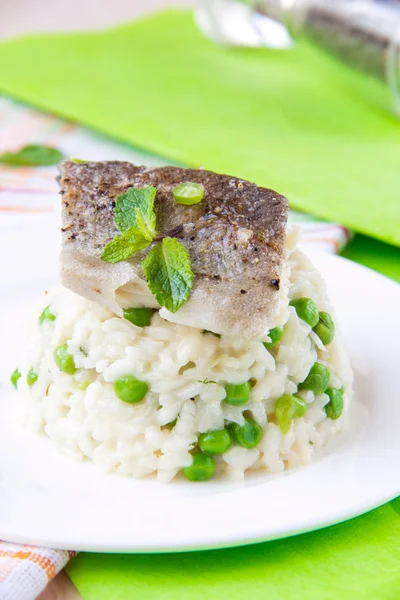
(296, 121)
(358, 560)
(375, 255)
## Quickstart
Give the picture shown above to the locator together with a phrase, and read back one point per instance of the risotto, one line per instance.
(167, 398)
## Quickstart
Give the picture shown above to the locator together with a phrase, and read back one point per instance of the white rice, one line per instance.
(180, 365)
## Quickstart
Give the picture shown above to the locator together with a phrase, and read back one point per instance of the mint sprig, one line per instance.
(169, 274)
(135, 208)
(32, 156)
(143, 226)
(167, 266)
(135, 217)
(123, 246)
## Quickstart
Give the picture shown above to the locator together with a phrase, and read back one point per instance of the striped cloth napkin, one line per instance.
(25, 570)
(27, 194)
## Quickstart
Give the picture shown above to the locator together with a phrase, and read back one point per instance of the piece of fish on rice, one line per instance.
(235, 238)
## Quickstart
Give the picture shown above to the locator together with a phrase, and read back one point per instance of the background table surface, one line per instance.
(24, 16)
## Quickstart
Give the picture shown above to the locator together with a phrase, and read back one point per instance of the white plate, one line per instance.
(48, 499)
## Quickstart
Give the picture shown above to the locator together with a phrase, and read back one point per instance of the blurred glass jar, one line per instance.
(362, 33)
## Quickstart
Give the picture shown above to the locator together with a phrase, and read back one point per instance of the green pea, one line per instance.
(215, 442)
(287, 408)
(64, 360)
(325, 328)
(306, 309)
(188, 193)
(201, 469)
(31, 378)
(317, 380)
(247, 435)
(275, 334)
(139, 316)
(15, 377)
(237, 393)
(130, 389)
(46, 315)
(334, 408)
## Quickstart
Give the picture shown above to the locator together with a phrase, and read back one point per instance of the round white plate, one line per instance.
(48, 499)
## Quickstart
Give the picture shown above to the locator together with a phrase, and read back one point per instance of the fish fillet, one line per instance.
(235, 238)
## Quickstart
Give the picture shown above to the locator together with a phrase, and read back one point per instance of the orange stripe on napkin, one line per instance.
(26, 570)
(44, 562)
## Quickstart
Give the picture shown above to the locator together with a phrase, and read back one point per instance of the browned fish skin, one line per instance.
(235, 237)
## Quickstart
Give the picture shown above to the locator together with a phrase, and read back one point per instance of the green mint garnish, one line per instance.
(142, 226)
(135, 217)
(135, 208)
(32, 156)
(123, 246)
(14, 378)
(167, 266)
(169, 273)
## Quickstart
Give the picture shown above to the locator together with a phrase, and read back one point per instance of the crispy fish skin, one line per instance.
(235, 238)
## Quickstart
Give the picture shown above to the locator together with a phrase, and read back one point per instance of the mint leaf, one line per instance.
(32, 156)
(169, 273)
(135, 217)
(135, 208)
(142, 227)
(123, 246)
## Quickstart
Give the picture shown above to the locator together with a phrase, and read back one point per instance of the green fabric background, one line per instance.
(357, 560)
(295, 121)
(375, 255)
